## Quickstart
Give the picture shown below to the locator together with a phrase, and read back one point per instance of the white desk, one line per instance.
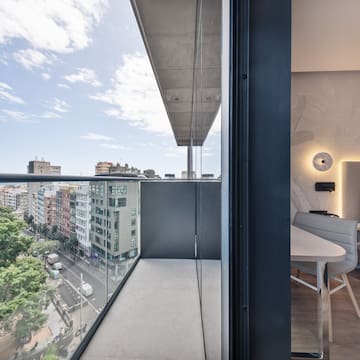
(308, 247)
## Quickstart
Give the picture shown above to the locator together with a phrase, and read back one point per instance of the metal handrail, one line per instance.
(21, 178)
(18, 178)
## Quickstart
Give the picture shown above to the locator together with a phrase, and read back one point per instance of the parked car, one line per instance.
(57, 266)
(86, 289)
(52, 258)
(54, 274)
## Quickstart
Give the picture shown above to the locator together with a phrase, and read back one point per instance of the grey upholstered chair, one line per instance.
(342, 232)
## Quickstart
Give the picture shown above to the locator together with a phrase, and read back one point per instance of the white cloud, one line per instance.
(50, 115)
(31, 58)
(96, 137)
(53, 25)
(5, 94)
(64, 86)
(3, 60)
(83, 75)
(19, 116)
(113, 146)
(175, 153)
(136, 97)
(46, 76)
(59, 105)
(113, 112)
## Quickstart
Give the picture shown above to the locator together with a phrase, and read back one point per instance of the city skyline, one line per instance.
(74, 92)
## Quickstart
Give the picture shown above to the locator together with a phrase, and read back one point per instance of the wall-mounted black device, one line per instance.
(325, 186)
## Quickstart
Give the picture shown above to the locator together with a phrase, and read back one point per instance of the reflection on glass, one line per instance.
(207, 154)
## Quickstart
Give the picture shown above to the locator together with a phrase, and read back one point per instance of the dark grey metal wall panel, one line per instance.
(209, 220)
(168, 220)
(269, 177)
(171, 213)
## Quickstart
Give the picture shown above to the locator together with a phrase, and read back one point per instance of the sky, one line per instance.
(76, 87)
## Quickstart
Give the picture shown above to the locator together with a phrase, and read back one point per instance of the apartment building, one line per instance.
(114, 217)
(105, 168)
(46, 202)
(38, 167)
(66, 210)
(83, 215)
(15, 198)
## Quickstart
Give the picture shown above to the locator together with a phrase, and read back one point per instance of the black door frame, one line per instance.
(256, 186)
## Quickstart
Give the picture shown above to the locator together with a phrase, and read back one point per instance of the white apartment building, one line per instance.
(39, 167)
(83, 216)
(15, 198)
(114, 219)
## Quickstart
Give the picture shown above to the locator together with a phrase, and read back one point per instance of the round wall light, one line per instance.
(322, 161)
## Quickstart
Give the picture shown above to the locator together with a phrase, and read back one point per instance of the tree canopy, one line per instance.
(18, 283)
(22, 280)
(12, 243)
(40, 248)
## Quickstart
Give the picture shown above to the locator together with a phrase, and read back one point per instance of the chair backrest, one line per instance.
(340, 231)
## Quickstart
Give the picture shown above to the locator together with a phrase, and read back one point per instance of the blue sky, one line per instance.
(76, 87)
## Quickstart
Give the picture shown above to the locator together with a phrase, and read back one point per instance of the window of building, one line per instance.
(121, 202)
(99, 211)
(133, 232)
(116, 245)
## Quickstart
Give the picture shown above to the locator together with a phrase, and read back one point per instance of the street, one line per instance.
(72, 270)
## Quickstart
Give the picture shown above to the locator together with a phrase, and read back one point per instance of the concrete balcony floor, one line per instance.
(157, 315)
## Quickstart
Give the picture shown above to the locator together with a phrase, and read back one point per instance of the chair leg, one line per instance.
(331, 333)
(351, 294)
(298, 276)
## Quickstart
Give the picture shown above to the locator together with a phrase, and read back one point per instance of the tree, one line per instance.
(73, 243)
(19, 282)
(28, 219)
(12, 243)
(51, 353)
(30, 317)
(40, 248)
(43, 229)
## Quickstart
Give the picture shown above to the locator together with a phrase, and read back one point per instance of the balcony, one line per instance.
(174, 267)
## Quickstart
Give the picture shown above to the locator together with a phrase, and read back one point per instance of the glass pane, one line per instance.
(207, 169)
(60, 268)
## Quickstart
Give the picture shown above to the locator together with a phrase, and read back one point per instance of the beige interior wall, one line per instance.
(325, 35)
(325, 118)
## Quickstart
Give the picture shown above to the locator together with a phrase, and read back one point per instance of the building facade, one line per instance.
(46, 202)
(82, 219)
(114, 219)
(66, 210)
(41, 168)
(15, 198)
